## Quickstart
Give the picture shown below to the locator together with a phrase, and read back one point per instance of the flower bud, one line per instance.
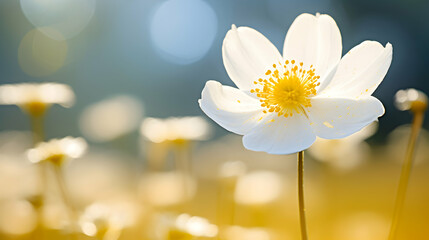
(411, 99)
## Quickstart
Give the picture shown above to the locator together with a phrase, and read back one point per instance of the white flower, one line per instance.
(283, 102)
(411, 99)
(57, 150)
(100, 218)
(173, 129)
(36, 97)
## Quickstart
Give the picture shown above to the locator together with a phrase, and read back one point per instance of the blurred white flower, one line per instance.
(258, 188)
(183, 226)
(111, 118)
(410, 99)
(283, 102)
(344, 153)
(175, 129)
(58, 150)
(35, 98)
(100, 219)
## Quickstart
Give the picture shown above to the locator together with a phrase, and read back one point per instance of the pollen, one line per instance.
(287, 88)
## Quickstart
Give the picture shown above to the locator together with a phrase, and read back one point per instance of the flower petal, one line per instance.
(284, 135)
(314, 40)
(231, 108)
(333, 118)
(247, 55)
(360, 71)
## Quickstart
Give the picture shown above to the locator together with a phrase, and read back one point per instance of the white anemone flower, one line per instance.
(283, 102)
(58, 150)
(35, 98)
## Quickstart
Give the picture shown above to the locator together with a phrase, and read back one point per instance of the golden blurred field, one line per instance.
(247, 195)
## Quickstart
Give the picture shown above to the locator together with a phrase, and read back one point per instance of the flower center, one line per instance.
(287, 89)
(35, 108)
(57, 158)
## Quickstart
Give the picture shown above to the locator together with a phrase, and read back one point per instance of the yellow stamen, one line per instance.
(287, 89)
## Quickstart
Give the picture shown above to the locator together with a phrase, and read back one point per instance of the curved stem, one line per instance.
(301, 196)
(405, 173)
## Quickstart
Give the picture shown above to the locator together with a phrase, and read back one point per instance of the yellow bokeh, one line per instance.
(40, 55)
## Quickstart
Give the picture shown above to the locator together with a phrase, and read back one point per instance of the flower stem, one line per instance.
(405, 173)
(66, 198)
(301, 196)
(182, 164)
(37, 128)
(38, 136)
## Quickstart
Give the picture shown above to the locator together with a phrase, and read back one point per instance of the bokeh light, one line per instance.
(259, 187)
(67, 17)
(40, 55)
(17, 217)
(183, 30)
(111, 118)
(165, 189)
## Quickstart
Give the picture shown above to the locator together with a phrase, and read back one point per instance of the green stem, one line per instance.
(302, 220)
(405, 173)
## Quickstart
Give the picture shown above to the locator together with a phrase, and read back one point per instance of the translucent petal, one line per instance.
(231, 108)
